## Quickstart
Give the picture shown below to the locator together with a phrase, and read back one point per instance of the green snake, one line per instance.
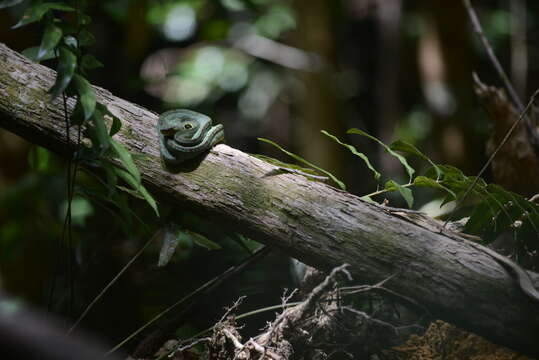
(185, 134)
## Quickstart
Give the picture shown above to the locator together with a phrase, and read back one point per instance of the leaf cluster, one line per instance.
(64, 42)
(491, 210)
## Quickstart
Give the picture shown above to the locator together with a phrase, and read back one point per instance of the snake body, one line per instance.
(185, 134)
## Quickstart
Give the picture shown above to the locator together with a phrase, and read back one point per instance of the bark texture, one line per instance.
(311, 221)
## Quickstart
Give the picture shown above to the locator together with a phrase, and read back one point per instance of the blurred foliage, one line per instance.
(240, 62)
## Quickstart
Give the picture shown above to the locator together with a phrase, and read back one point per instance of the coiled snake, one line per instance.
(185, 134)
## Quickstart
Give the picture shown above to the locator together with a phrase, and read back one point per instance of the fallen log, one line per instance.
(311, 221)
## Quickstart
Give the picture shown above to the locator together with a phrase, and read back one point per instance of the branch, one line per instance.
(492, 56)
(311, 221)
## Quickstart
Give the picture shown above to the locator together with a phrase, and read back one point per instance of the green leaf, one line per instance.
(303, 161)
(32, 14)
(39, 159)
(86, 95)
(31, 53)
(498, 211)
(97, 130)
(71, 41)
(84, 19)
(410, 170)
(67, 64)
(90, 62)
(115, 127)
(354, 151)
(244, 242)
(123, 215)
(130, 191)
(59, 6)
(112, 178)
(285, 165)
(36, 12)
(106, 111)
(126, 159)
(77, 116)
(149, 199)
(7, 3)
(449, 172)
(171, 238)
(368, 199)
(85, 38)
(408, 148)
(525, 210)
(505, 213)
(116, 122)
(530, 210)
(51, 38)
(455, 180)
(404, 191)
(431, 183)
(139, 190)
(173, 235)
(203, 241)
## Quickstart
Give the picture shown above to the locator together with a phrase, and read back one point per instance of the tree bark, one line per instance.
(317, 224)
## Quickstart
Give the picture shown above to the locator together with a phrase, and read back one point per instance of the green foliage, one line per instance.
(408, 148)
(126, 159)
(303, 161)
(39, 159)
(137, 189)
(86, 96)
(96, 129)
(31, 53)
(171, 235)
(354, 151)
(81, 209)
(89, 62)
(175, 235)
(423, 181)
(36, 11)
(65, 42)
(286, 165)
(388, 149)
(494, 209)
(67, 63)
(500, 210)
(51, 38)
(404, 191)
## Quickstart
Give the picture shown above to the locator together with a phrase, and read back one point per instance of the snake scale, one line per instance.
(185, 134)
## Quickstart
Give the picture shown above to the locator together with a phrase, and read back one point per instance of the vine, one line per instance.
(493, 211)
(64, 42)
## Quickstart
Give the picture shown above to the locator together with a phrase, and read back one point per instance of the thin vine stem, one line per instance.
(383, 191)
(492, 156)
(208, 286)
(112, 282)
(476, 25)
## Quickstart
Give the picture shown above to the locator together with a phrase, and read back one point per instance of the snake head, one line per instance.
(184, 126)
(184, 134)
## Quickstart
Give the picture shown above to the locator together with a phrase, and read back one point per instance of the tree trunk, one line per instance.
(321, 226)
